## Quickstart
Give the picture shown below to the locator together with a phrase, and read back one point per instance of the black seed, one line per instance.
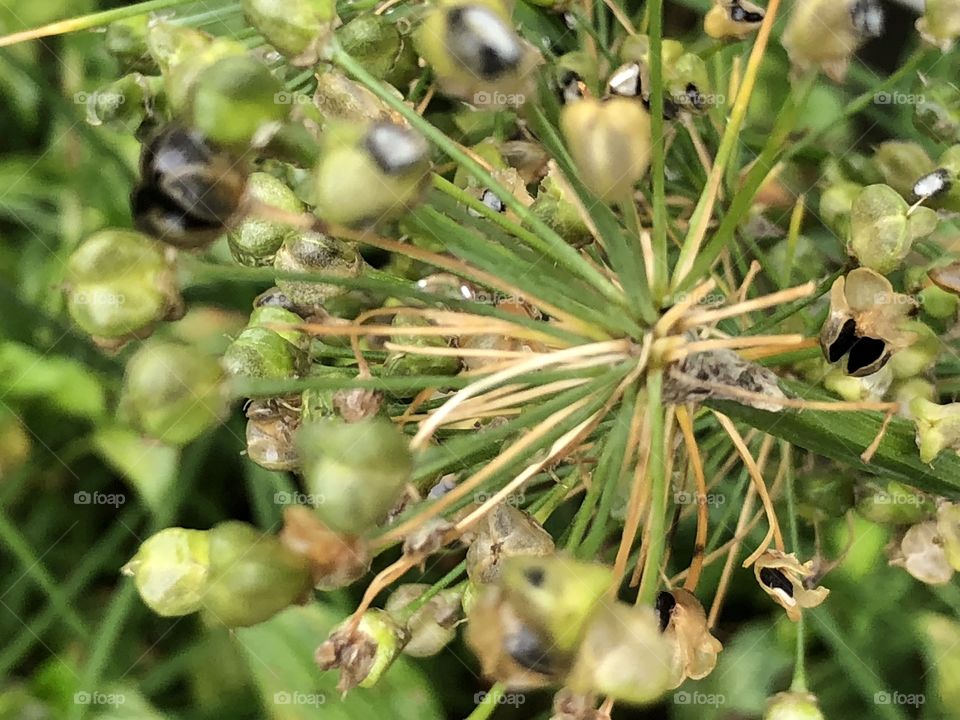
(395, 149)
(867, 18)
(845, 340)
(569, 87)
(694, 97)
(738, 14)
(534, 576)
(776, 580)
(526, 648)
(866, 352)
(664, 607)
(482, 42)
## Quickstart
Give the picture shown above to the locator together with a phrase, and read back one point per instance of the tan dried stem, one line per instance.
(696, 465)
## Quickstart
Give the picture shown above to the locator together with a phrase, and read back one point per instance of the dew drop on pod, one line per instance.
(299, 29)
(792, 706)
(190, 190)
(119, 285)
(258, 352)
(475, 52)
(173, 392)
(900, 163)
(356, 472)
(824, 34)
(364, 653)
(369, 173)
(312, 252)
(883, 228)
(940, 23)
(610, 144)
(938, 427)
(432, 626)
(126, 40)
(379, 46)
(732, 19)
(254, 242)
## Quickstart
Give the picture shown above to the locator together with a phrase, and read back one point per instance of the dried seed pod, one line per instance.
(684, 625)
(369, 174)
(363, 654)
(938, 427)
(475, 52)
(622, 655)
(502, 533)
(172, 392)
(793, 706)
(610, 144)
(940, 24)
(432, 626)
(864, 325)
(252, 576)
(255, 242)
(883, 228)
(785, 579)
(119, 285)
(261, 353)
(732, 19)
(947, 277)
(312, 252)
(271, 425)
(299, 29)
(375, 41)
(335, 560)
(720, 373)
(171, 571)
(126, 40)
(190, 190)
(824, 34)
(921, 553)
(894, 504)
(358, 470)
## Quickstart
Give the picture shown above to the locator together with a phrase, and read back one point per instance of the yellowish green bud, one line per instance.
(261, 353)
(938, 427)
(364, 653)
(299, 29)
(793, 706)
(883, 229)
(171, 571)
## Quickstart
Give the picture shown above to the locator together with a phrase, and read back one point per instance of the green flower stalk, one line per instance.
(299, 29)
(173, 392)
(261, 353)
(883, 228)
(362, 654)
(356, 472)
(119, 285)
(938, 427)
(255, 242)
(793, 706)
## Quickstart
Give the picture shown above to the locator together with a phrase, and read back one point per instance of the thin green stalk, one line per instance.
(490, 702)
(799, 683)
(656, 471)
(548, 241)
(658, 151)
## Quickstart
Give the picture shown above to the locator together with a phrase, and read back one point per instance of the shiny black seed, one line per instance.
(865, 352)
(845, 340)
(664, 607)
(776, 580)
(534, 576)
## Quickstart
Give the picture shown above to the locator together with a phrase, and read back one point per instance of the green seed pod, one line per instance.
(824, 495)
(948, 526)
(938, 303)
(119, 285)
(503, 533)
(337, 97)
(432, 626)
(369, 174)
(938, 427)
(476, 54)
(261, 353)
(375, 42)
(824, 34)
(298, 29)
(172, 392)
(171, 571)
(937, 111)
(275, 318)
(313, 252)
(688, 82)
(882, 228)
(940, 24)
(271, 425)
(412, 364)
(234, 99)
(901, 163)
(255, 242)
(836, 201)
(126, 40)
(363, 654)
(252, 576)
(555, 207)
(610, 144)
(793, 706)
(623, 655)
(14, 444)
(919, 356)
(894, 504)
(124, 104)
(167, 43)
(357, 471)
(906, 391)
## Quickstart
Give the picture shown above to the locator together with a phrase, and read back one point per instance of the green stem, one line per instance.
(547, 241)
(799, 683)
(656, 530)
(490, 701)
(658, 151)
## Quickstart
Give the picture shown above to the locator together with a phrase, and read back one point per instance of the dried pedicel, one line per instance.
(788, 582)
(721, 373)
